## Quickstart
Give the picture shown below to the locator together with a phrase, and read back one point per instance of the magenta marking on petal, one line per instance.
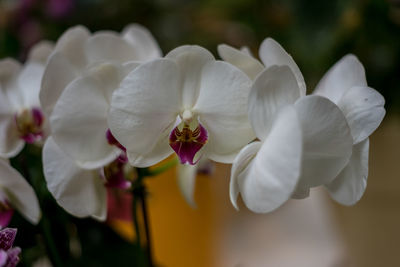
(7, 237)
(123, 158)
(38, 117)
(187, 143)
(29, 124)
(113, 141)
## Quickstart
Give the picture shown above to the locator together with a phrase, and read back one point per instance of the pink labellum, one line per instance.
(186, 143)
(29, 124)
(115, 176)
(113, 141)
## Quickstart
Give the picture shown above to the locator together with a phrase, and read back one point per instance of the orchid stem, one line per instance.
(139, 198)
(49, 242)
(142, 195)
(135, 218)
(44, 223)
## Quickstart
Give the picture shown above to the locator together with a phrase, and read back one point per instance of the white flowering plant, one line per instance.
(98, 110)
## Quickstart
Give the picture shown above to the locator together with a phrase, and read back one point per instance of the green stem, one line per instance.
(135, 217)
(142, 196)
(49, 242)
(44, 223)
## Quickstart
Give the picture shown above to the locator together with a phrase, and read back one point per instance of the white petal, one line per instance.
(145, 105)
(29, 82)
(272, 175)
(272, 53)
(9, 71)
(187, 181)
(222, 110)
(80, 192)
(58, 74)
(71, 44)
(109, 47)
(349, 186)
(143, 41)
(327, 140)
(160, 151)
(190, 60)
(274, 88)
(19, 193)
(240, 163)
(364, 111)
(10, 143)
(240, 59)
(246, 50)
(40, 52)
(346, 73)
(79, 119)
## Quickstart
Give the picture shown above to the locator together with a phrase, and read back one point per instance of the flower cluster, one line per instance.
(107, 102)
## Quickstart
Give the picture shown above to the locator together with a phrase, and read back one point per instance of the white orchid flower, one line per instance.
(186, 102)
(77, 52)
(21, 117)
(82, 144)
(80, 78)
(16, 193)
(304, 142)
(345, 84)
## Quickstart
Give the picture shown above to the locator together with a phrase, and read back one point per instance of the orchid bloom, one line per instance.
(21, 117)
(9, 255)
(186, 102)
(81, 148)
(345, 84)
(76, 92)
(16, 193)
(304, 142)
(77, 52)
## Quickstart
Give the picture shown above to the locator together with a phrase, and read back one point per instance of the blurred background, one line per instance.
(317, 34)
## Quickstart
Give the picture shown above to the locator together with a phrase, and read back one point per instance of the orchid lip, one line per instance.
(186, 142)
(29, 123)
(114, 175)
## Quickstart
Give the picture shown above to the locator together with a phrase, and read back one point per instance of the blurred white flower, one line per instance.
(81, 75)
(16, 193)
(21, 117)
(81, 151)
(304, 142)
(186, 101)
(345, 84)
